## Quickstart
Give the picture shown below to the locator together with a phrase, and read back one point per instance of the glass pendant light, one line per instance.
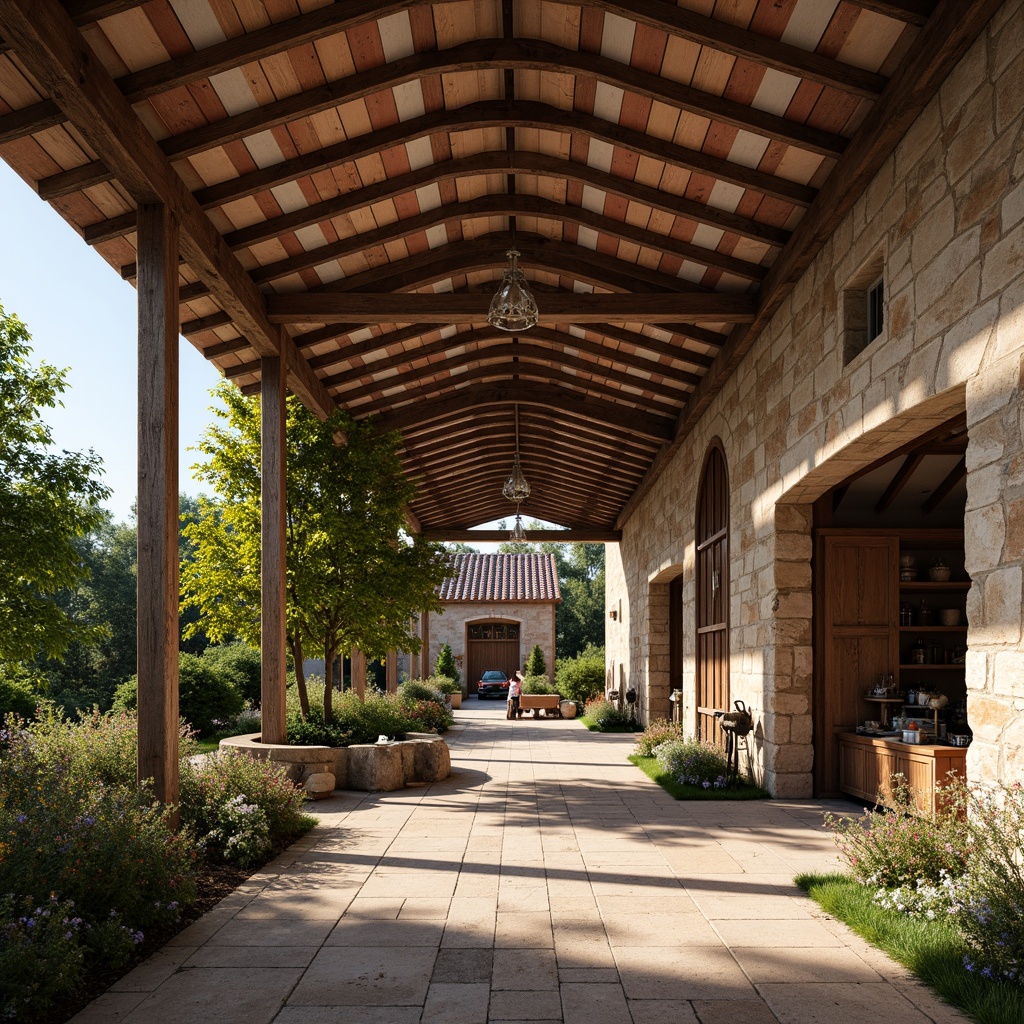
(516, 488)
(518, 534)
(513, 307)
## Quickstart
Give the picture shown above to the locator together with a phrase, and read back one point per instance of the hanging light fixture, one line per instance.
(518, 534)
(516, 488)
(513, 308)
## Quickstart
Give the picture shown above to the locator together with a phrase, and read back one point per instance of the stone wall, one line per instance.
(537, 626)
(946, 216)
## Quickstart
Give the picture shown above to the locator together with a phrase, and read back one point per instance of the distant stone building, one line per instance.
(496, 607)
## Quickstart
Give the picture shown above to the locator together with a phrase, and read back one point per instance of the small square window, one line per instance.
(863, 309)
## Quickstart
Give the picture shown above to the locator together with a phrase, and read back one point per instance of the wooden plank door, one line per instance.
(858, 602)
(712, 632)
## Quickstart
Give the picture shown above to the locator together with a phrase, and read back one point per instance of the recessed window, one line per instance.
(863, 309)
(875, 297)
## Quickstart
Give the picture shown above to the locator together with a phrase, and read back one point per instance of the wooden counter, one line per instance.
(867, 763)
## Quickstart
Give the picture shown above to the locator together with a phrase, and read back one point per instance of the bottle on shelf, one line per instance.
(937, 654)
(918, 652)
(924, 614)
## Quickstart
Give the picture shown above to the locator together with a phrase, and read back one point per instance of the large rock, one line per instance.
(319, 785)
(375, 767)
(433, 760)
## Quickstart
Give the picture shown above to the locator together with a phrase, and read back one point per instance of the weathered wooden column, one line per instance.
(391, 671)
(157, 287)
(273, 642)
(358, 672)
(425, 645)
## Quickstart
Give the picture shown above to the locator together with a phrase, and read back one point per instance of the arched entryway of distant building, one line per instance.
(492, 644)
(712, 578)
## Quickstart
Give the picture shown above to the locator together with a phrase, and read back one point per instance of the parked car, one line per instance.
(492, 684)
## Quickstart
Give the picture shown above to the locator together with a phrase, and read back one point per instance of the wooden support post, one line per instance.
(425, 642)
(391, 669)
(158, 500)
(273, 644)
(359, 672)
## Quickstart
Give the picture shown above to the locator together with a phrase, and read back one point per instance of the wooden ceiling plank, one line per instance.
(524, 369)
(491, 334)
(58, 58)
(327, 307)
(517, 162)
(939, 46)
(738, 42)
(913, 12)
(573, 534)
(503, 114)
(524, 355)
(636, 423)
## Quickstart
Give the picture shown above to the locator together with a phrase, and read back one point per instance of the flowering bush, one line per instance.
(897, 846)
(990, 911)
(207, 787)
(693, 763)
(242, 834)
(923, 898)
(604, 715)
(41, 954)
(656, 733)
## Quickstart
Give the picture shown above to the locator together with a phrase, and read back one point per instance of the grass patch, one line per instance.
(933, 950)
(596, 726)
(681, 791)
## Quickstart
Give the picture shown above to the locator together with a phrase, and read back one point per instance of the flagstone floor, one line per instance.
(546, 880)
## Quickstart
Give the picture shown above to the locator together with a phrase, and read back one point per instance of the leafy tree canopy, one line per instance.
(579, 619)
(48, 501)
(355, 579)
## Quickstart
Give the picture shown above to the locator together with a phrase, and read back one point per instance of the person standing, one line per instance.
(515, 690)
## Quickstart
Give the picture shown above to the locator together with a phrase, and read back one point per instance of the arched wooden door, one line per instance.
(712, 594)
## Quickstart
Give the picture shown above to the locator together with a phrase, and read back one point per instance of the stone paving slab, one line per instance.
(546, 881)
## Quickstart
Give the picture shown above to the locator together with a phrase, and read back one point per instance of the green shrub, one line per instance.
(444, 685)
(313, 731)
(656, 733)
(422, 689)
(535, 662)
(693, 763)
(896, 846)
(605, 716)
(241, 665)
(20, 691)
(446, 663)
(207, 700)
(240, 807)
(538, 684)
(581, 678)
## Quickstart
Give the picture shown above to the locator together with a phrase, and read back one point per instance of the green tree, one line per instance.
(48, 502)
(355, 578)
(446, 663)
(579, 619)
(535, 662)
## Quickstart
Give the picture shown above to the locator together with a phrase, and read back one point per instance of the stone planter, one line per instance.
(369, 767)
(456, 700)
(567, 708)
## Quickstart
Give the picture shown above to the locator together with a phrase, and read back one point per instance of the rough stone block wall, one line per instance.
(536, 627)
(946, 215)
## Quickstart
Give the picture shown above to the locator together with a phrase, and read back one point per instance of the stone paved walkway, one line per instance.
(546, 880)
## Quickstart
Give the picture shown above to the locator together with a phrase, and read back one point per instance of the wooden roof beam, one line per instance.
(952, 478)
(898, 482)
(635, 422)
(57, 57)
(570, 535)
(501, 204)
(656, 407)
(561, 307)
(482, 500)
(913, 12)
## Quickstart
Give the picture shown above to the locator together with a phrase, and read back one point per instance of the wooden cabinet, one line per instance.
(862, 633)
(867, 765)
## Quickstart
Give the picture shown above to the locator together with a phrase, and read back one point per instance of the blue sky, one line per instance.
(81, 315)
